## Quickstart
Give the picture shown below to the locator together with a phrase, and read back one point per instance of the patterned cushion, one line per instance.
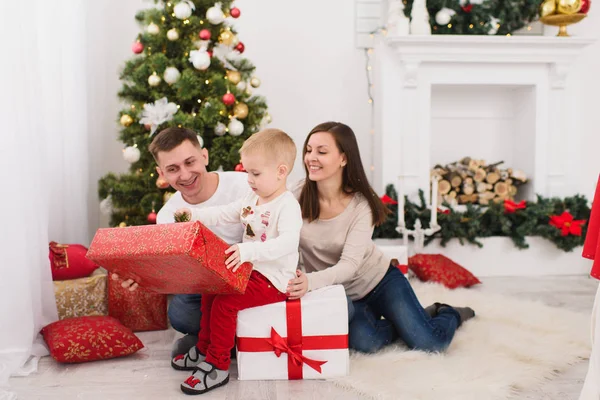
(438, 268)
(83, 297)
(88, 339)
(68, 261)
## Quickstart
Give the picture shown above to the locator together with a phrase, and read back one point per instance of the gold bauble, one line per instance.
(255, 82)
(568, 6)
(167, 196)
(548, 7)
(240, 110)
(126, 120)
(161, 183)
(122, 225)
(234, 77)
(227, 38)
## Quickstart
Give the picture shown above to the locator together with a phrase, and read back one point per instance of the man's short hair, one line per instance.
(278, 144)
(169, 138)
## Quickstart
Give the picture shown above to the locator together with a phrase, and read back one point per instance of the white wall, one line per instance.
(310, 70)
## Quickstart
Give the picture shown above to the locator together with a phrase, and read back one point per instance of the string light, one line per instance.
(152, 175)
(199, 101)
(133, 106)
(449, 25)
(207, 81)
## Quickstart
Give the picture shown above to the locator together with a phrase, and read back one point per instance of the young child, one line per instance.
(272, 221)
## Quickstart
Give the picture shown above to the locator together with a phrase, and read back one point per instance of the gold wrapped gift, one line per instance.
(81, 297)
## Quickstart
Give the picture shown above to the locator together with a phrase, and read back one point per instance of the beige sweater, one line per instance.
(340, 250)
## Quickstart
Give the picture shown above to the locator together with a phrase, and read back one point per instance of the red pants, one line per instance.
(219, 317)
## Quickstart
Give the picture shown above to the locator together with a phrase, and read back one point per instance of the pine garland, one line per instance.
(477, 222)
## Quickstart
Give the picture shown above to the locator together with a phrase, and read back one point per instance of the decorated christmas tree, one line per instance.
(187, 70)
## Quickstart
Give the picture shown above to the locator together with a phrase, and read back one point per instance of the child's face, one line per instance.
(265, 176)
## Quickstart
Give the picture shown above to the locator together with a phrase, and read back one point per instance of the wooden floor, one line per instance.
(148, 375)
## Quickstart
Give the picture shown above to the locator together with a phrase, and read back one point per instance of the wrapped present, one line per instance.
(140, 310)
(174, 258)
(295, 339)
(81, 297)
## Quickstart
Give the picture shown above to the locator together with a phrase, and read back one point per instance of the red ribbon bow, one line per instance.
(294, 353)
(510, 206)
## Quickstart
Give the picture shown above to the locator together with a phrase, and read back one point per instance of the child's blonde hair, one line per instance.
(274, 142)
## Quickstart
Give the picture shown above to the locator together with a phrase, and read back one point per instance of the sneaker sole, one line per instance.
(188, 390)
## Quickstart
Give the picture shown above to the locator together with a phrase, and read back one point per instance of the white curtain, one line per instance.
(43, 159)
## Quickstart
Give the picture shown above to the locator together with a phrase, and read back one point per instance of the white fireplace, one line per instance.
(439, 98)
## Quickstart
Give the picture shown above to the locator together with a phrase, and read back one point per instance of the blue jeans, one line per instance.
(394, 299)
(184, 313)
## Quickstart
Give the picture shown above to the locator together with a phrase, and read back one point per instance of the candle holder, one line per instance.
(418, 233)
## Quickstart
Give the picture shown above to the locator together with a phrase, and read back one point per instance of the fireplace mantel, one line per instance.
(406, 68)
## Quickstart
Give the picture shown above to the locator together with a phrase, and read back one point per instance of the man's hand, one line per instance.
(234, 260)
(298, 286)
(184, 214)
(128, 284)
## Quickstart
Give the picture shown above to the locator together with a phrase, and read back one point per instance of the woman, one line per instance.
(340, 210)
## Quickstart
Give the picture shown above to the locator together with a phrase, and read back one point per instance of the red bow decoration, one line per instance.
(294, 353)
(388, 200)
(443, 210)
(467, 8)
(566, 224)
(510, 206)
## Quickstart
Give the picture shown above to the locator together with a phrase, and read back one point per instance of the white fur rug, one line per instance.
(509, 346)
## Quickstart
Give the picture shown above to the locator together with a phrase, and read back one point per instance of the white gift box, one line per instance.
(298, 339)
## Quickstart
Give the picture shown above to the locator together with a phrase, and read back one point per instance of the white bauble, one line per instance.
(241, 86)
(182, 10)
(236, 128)
(131, 154)
(154, 80)
(106, 205)
(200, 59)
(444, 16)
(171, 75)
(172, 34)
(152, 29)
(200, 140)
(220, 129)
(215, 14)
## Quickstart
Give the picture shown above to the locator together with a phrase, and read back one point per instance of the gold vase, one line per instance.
(562, 21)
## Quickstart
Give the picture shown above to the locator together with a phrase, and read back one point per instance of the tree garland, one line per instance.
(561, 221)
(480, 17)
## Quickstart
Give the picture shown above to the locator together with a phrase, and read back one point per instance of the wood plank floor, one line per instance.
(128, 378)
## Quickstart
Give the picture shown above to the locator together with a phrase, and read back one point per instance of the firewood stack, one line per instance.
(471, 181)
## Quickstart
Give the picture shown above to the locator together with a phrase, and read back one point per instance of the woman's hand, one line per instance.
(128, 284)
(298, 286)
(234, 260)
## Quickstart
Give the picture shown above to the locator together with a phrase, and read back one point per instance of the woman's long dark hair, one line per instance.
(354, 178)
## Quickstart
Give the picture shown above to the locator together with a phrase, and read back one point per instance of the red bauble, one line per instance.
(239, 168)
(240, 47)
(137, 47)
(210, 53)
(204, 34)
(585, 6)
(228, 99)
(235, 12)
(152, 217)
(467, 8)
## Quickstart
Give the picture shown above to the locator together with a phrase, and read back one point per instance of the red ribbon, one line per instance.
(294, 343)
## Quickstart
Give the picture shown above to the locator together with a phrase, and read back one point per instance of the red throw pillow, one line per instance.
(82, 339)
(441, 269)
(68, 261)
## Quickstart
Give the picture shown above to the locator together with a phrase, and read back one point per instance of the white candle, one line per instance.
(401, 222)
(434, 201)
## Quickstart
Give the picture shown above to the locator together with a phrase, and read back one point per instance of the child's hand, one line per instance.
(234, 260)
(128, 284)
(183, 215)
(298, 286)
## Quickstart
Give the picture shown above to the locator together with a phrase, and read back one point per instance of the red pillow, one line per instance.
(441, 269)
(74, 340)
(68, 261)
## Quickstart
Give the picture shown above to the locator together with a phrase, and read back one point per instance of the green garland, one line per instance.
(480, 222)
(471, 18)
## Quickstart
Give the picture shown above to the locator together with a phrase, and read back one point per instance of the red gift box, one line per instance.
(140, 310)
(181, 258)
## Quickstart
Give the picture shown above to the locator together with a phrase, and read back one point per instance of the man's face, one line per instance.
(184, 168)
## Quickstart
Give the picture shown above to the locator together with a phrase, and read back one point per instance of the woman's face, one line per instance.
(323, 159)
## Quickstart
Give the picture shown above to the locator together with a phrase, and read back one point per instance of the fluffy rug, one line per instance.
(511, 345)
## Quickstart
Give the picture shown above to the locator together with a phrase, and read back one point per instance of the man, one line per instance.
(182, 162)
